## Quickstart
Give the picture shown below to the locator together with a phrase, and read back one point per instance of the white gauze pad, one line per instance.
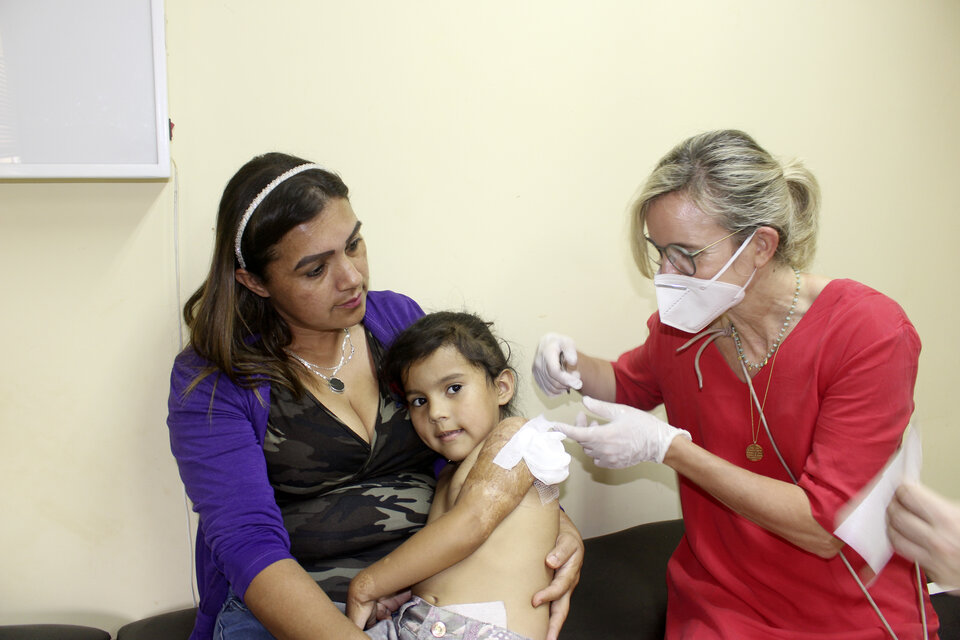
(542, 451)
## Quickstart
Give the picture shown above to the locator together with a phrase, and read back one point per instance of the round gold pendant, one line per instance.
(754, 452)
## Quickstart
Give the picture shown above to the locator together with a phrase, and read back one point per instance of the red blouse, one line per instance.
(840, 397)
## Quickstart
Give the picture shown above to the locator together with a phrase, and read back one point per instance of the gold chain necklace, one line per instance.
(754, 450)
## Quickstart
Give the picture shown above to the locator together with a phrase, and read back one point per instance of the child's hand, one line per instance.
(362, 614)
(388, 604)
(361, 609)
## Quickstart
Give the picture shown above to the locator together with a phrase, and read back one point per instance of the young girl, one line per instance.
(493, 517)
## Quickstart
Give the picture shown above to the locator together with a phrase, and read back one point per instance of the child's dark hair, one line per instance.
(465, 332)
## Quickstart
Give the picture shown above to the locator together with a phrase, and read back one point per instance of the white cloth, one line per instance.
(540, 448)
(863, 523)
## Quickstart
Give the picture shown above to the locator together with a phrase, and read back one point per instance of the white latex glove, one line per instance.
(548, 370)
(630, 436)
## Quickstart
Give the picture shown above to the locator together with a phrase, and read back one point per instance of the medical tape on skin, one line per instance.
(542, 451)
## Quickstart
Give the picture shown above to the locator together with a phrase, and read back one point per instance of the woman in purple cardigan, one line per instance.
(302, 469)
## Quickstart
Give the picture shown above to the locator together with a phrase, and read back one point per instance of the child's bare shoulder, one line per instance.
(501, 435)
(479, 470)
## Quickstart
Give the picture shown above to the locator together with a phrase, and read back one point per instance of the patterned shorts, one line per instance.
(417, 620)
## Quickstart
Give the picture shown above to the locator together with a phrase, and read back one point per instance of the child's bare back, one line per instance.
(509, 566)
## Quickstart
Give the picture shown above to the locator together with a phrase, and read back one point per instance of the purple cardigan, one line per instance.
(218, 445)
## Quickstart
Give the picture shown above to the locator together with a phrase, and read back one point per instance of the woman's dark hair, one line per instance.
(237, 331)
(465, 332)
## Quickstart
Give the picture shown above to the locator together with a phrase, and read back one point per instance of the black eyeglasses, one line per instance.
(681, 259)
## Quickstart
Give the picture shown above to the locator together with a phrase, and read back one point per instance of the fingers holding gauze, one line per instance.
(555, 364)
(630, 436)
(925, 526)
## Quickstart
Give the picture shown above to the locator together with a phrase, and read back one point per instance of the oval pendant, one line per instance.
(754, 452)
(336, 385)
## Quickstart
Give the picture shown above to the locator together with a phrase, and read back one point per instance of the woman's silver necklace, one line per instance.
(336, 384)
(776, 344)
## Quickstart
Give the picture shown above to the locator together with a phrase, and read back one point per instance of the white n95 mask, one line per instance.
(690, 304)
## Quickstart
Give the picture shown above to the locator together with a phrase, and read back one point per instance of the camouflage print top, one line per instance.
(344, 502)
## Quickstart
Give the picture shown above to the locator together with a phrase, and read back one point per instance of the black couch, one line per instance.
(622, 595)
(623, 589)
(623, 592)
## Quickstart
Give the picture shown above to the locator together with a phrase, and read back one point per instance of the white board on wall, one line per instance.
(83, 89)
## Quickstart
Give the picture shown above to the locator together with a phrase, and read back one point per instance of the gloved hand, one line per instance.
(548, 369)
(630, 436)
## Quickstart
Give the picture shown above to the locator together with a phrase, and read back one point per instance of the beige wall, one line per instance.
(491, 149)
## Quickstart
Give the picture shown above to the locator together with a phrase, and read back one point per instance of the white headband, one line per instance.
(260, 198)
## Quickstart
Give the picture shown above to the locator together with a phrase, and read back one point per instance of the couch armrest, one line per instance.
(51, 632)
(175, 625)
